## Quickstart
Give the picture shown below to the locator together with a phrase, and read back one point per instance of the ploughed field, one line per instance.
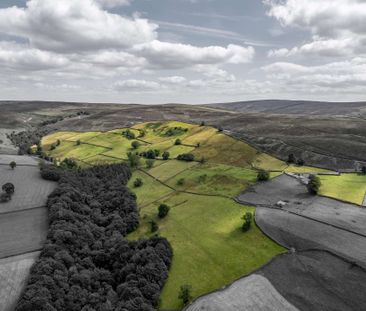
(204, 223)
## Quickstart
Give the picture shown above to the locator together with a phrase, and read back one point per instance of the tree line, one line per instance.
(86, 264)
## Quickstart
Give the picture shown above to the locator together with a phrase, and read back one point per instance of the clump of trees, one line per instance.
(163, 210)
(247, 221)
(150, 154)
(86, 263)
(185, 294)
(8, 191)
(291, 158)
(363, 170)
(50, 172)
(128, 134)
(135, 144)
(188, 157)
(173, 131)
(166, 155)
(263, 175)
(69, 164)
(150, 163)
(314, 184)
(133, 159)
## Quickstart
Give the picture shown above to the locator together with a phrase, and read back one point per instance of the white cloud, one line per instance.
(177, 55)
(71, 26)
(338, 26)
(21, 56)
(332, 77)
(136, 85)
(113, 3)
(178, 80)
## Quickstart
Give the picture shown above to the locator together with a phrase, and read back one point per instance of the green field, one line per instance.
(347, 187)
(203, 225)
(210, 250)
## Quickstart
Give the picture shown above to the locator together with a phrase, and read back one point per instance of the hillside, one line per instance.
(296, 107)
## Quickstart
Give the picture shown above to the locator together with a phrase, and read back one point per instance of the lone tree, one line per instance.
(314, 184)
(163, 210)
(135, 144)
(363, 170)
(153, 226)
(177, 142)
(185, 294)
(150, 163)
(78, 142)
(247, 221)
(262, 175)
(138, 183)
(291, 158)
(8, 188)
(166, 155)
(13, 164)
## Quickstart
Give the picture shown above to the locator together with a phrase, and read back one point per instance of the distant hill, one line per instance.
(296, 107)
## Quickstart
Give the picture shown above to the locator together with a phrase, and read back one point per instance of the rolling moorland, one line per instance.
(207, 202)
(224, 167)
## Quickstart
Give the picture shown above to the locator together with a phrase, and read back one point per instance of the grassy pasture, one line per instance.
(209, 248)
(222, 149)
(347, 187)
(215, 179)
(204, 230)
(151, 190)
(170, 168)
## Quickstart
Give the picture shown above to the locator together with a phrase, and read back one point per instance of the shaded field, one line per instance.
(13, 276)
(347, 187)
(5, 159)
(30, 189)
(317, 280)
(22, 231)
(300, 233)
(253, 293)
(298, 200)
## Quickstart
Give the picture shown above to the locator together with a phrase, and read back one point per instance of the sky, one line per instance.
(182, 51)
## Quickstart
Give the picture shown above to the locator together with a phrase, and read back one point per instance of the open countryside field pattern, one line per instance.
(204, 222)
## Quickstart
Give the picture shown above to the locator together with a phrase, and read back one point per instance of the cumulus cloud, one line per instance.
(342, 75)
(21, 56)
(177, 55)
(71, 26)
(338, 26)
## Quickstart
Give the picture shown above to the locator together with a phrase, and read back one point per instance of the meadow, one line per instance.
(204, 222)
(347, 187)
